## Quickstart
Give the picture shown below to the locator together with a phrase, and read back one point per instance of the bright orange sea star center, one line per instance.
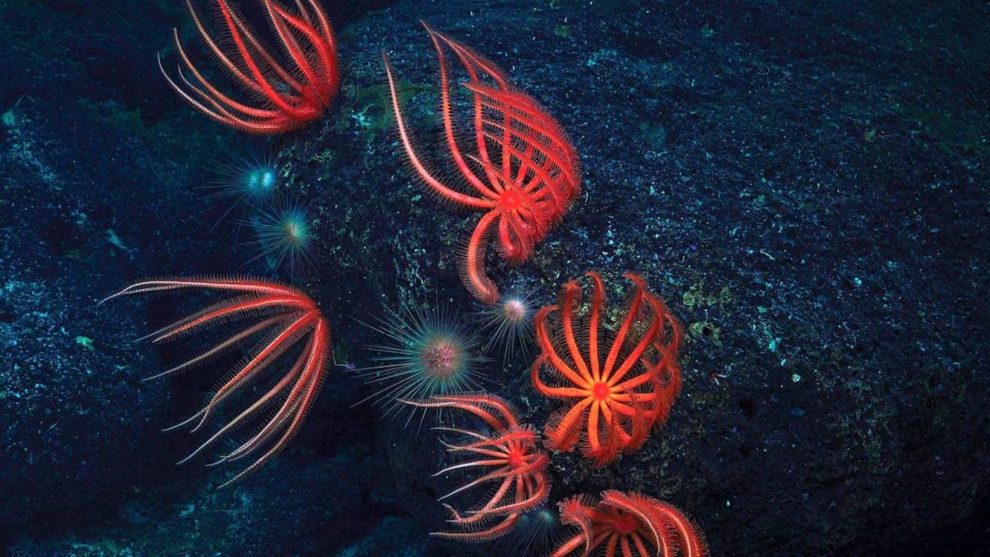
(511, 200)
(625, 524)
(517, 458)
(601, 391)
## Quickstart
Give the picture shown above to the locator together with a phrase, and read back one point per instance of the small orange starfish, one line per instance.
(618, 399)
(629, 523)
(531, 171)
(293, 317)
(508, 457)
(291, 98)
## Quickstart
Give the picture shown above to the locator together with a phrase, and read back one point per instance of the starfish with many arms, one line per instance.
(616, 399)
(629, 524)
(524, 173)
(507, 458)
(285, 318)
(289, 96)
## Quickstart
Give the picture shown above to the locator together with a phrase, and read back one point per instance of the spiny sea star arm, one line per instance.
(261, 360)
(474, 275)
(631, 315)
(448, 123)
(495, 531)
(637, 506)
(547, 390)
(576, 511)
(322, 43)
(647, 339)
(550, 352)
(597, 301)
(313, 373)
(478, 404)
(562, 429)
(259, 77)
(571, 296)
(260, 404)
(435, 185)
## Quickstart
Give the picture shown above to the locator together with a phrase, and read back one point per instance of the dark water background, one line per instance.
(805, 183)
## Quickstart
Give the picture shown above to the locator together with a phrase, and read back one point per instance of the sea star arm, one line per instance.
(298, 317)
(435, 185)
(631, 314)
(546, 345)
(448, 123)
(572, 296)
(576, 511)
(481, 405)
(318, 41)
(258, 77)
(562, 429)
(474, 274)
(597, 301)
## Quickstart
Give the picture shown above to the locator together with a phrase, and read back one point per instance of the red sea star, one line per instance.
(616, 400)
(291, 96)
(629, 523)
(531, 171)
(291, 317)
(507, 456)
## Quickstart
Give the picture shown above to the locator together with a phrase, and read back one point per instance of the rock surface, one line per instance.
(806, 188)
(805, 185)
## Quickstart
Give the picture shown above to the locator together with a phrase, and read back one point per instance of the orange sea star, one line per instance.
(290, 96)
(507, 458)
(287, 318)
(617, 399)
(629, 525)
(531, 172)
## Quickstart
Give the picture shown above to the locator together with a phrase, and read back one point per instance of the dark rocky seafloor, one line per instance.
(806, 185)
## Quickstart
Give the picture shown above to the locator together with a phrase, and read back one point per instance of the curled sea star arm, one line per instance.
(637, 506)
(576, 511)
(691, 542)
(532, 140)
(495, 531)
(475, 276)
(493, 410)
(541, 178)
